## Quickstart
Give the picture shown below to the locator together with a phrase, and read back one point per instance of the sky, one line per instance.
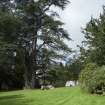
(76, 15)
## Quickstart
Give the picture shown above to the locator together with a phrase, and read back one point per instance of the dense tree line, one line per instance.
(92, 78)
(31, 39)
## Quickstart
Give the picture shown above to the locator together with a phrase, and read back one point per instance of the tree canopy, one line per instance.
(32, 32)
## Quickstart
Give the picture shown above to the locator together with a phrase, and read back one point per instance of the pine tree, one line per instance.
(95, 39)
(39, 32)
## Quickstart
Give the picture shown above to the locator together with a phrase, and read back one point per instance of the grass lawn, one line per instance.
(61, 96)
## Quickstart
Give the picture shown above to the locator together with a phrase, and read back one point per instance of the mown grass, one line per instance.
(60, 96)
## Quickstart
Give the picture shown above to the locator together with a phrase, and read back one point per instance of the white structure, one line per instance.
(71, 83)
(47, 87)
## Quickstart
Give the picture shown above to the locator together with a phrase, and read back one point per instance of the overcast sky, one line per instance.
(77, 14)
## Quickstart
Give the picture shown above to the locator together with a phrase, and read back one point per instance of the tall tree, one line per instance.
(42, 29)
(9, 32)
(38, 32)
(95, 39)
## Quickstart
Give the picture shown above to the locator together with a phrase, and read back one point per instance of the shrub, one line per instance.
(99, 79)
(92, 79)
(85, 78)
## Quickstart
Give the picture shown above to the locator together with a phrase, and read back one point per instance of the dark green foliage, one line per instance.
(11, 70)
(9, 27)
(36, 36)
(95, 39)
(74, 66)
(92, 78)
(11, 66)
(58, 75)
(40, 26)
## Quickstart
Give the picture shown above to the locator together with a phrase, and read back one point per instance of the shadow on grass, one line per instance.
(14, 100)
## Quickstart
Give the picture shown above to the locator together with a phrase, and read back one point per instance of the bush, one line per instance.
(86, 75)
(99, 79)
(92, 79)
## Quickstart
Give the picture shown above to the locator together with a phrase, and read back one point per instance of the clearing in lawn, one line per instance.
(60, 96)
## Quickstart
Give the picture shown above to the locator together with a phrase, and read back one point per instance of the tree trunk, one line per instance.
(28, 71)
(0, 85)
(33, 80)
(27, 82)
(34, 60)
